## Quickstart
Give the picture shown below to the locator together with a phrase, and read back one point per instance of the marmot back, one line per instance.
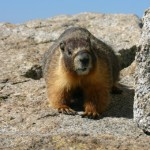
(80, 63)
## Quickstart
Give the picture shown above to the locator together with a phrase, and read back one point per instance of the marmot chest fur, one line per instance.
(78, 62)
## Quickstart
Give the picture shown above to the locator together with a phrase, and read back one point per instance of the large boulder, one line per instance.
(26, 43)
(142, 78)
(26, 121)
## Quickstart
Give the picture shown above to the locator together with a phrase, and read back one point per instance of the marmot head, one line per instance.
(78, 56)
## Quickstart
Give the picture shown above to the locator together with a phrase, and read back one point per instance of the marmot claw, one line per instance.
(90, 115)
(67, 111)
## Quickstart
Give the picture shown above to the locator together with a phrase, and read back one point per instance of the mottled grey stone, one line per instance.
(142, 78)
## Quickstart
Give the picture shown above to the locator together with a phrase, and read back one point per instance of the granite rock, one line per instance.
(142, 78)
(30, 40)
(26, 120)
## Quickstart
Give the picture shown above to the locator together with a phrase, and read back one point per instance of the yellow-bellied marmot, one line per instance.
(80, 63)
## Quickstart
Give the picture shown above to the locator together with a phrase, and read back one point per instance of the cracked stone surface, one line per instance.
(26, 120)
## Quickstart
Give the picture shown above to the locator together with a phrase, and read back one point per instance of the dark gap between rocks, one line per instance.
(35, 72)
(127, 56)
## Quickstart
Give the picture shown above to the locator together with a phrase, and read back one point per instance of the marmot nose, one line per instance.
(85, 59)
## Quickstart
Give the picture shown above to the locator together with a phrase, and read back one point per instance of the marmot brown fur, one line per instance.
(80, 63)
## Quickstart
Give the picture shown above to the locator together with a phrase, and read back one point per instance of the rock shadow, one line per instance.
(121, 104)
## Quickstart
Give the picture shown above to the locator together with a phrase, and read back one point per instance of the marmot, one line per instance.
(79, 63)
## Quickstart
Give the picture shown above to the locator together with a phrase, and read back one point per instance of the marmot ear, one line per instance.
(92, 43)
(62, 46)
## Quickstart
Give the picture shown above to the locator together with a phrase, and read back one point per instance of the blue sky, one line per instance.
(19, 11)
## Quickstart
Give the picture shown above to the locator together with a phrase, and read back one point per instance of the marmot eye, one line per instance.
(62, 46)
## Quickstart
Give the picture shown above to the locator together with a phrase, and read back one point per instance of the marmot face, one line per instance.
(77, 56)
